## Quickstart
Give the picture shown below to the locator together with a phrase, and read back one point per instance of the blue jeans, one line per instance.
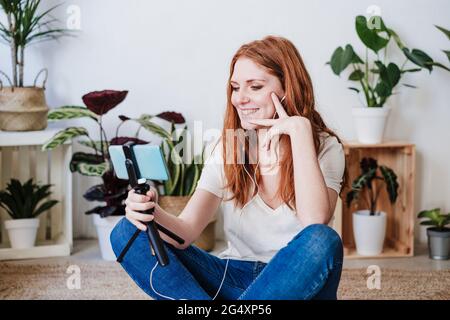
(308, 267)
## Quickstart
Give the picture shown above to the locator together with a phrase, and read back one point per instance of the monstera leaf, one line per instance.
(371, 37)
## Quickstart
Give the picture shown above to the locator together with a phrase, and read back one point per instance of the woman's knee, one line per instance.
(120, 234)
(321, 237)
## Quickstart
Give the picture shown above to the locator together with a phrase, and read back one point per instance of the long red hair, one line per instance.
(281, 59)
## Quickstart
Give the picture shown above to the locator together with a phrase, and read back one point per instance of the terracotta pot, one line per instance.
(175, 205)
(23, 109)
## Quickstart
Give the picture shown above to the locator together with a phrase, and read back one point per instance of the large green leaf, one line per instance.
(62, 136)
(70, 112)
(419, 58)
(371, 37)
(341, 59)
(391, 182)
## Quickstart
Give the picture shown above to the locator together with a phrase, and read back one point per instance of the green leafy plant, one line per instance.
(25, 25)
(25, 201)
(96, 163)
(184, 173)
(378, 77)
(435, 218)
(368, 181)
(447, 33)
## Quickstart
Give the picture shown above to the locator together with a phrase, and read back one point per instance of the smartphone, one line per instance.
(149, 160)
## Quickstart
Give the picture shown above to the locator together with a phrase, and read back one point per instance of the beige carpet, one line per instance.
(107, 280)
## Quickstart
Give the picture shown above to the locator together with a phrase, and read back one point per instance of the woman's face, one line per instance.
(251, 87)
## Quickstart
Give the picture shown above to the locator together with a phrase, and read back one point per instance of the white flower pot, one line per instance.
(104, 227)
(22, 232)
(370, 123)
(369, 232)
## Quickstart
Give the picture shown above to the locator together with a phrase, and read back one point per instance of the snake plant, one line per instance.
(25, 201)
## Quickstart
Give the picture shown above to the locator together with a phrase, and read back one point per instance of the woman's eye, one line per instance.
(234, 88)
(256, 87)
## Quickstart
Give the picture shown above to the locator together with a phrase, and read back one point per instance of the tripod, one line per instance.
(141, 187)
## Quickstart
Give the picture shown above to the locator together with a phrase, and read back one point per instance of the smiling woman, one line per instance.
(275, 217)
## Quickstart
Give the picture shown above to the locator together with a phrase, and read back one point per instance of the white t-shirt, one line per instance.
(257, 232)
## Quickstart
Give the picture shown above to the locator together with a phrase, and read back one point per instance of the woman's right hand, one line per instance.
(137, 202)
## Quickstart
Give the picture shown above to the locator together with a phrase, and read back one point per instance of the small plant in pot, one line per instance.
(438, 234)
(96, 163)
(369, 225)
(375, 76)
(24, 108)
(24, 203)
(184, 172)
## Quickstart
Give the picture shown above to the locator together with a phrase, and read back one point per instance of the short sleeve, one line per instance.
(332, 163)
(212, 175)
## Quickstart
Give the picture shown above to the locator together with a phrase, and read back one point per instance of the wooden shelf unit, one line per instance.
(21, 158)
(400, 157)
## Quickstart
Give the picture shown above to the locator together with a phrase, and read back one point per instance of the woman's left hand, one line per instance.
(283, 125)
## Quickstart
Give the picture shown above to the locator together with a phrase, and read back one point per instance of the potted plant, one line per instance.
(24, 108)
(438, 235)
(184, 173)
(24, 203)
(97, 163)
(369, 225)
(377, 78)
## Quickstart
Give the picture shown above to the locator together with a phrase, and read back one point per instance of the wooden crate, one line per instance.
(400, 157)
(21, 158)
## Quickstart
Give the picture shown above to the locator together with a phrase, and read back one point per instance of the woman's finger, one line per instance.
(138, 206)
(278, 106)
(134, 197)
(141, 217)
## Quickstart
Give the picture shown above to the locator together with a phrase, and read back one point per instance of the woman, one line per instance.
(275, 213)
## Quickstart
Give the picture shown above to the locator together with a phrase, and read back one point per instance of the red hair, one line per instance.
(281, 59)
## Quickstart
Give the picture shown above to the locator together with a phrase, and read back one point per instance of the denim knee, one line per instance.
(118, 235)
(323, 238)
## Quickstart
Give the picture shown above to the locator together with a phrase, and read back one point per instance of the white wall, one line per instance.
(174, 55)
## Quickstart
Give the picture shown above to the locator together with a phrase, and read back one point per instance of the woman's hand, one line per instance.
(137, 202)
(283, 125)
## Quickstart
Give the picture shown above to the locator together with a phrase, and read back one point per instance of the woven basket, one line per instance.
(23, 109)
(175, 205)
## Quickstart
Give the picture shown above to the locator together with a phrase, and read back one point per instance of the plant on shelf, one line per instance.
(369, 226)
(438, 234)
(24, 203)
(376, 76)
(24, 108)
(367, 181)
